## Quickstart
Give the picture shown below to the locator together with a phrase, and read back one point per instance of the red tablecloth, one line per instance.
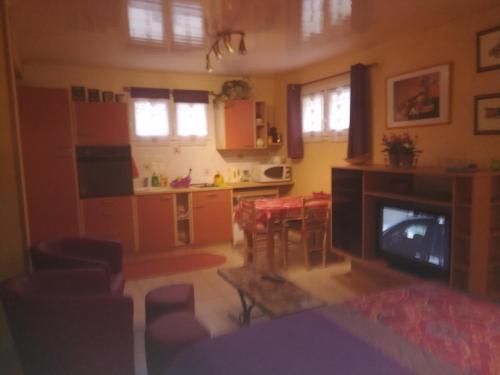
(275, 209)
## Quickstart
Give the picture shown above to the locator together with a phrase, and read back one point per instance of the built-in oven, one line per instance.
(104, 171)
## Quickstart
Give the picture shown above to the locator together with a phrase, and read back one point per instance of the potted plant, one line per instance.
(234, 90)
(401, 149)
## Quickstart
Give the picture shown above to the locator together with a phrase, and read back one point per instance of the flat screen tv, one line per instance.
(414, 239)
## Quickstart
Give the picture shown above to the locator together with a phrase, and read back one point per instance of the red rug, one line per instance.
(170, 265)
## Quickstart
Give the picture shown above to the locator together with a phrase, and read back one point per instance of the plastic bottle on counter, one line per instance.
(155, 180)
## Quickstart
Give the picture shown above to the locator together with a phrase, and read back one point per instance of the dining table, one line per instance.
(274, 212)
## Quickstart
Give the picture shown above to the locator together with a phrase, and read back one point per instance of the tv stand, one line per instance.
(473, 199)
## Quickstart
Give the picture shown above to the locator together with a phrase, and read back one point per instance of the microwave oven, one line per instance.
(271, 172)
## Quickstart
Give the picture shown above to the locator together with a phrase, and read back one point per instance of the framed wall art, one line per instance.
(419, 98)
(487, 114)
(488, 49)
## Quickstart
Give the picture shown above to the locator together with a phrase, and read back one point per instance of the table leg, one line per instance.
(270, 251)
(245, 315)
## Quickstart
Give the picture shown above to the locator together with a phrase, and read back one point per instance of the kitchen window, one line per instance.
(163, 120)
(151, 118)
(191, 119)
(326, 110)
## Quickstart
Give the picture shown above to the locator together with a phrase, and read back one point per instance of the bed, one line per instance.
(421, 329)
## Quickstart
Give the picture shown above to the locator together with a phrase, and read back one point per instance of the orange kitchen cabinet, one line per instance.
(212, 216)
(155, 220)
(239, 116)
(111, 219)
(99, 124)
(48, 163)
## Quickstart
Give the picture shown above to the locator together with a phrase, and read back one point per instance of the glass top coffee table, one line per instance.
(272, 293)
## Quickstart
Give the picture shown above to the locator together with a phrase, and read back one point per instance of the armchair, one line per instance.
(80, 252)
(66, 322)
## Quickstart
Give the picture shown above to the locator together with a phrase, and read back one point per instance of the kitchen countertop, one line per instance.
(229, 186)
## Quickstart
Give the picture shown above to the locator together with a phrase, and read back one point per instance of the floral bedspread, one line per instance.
(453, 326)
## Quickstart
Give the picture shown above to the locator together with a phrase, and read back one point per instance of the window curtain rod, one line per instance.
(335, 75)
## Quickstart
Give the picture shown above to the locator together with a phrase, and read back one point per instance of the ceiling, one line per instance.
(175, 35)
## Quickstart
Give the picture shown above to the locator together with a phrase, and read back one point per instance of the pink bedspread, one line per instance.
(456, 328)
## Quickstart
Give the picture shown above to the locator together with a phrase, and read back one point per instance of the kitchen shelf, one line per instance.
(472, 201)
(461, 267)
(408, 198)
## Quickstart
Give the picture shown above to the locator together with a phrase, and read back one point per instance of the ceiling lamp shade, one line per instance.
(225, 38)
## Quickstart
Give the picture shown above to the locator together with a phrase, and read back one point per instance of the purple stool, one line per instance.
(168, 299)
(168, 335)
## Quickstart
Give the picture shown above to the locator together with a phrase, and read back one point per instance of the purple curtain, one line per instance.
(359, 128)
(190, 96)
(150, 93)
(294, 125)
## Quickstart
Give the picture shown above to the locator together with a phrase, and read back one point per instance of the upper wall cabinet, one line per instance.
(48, 163)
(99, 124)
(244, 125)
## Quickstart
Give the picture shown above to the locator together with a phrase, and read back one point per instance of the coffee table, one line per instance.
(272, 293)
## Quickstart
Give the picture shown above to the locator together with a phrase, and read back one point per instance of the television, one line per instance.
(416, 240)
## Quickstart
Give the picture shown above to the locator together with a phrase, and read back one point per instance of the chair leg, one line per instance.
(306, 250)
(248, 243)
(324, 247)
(284, 246)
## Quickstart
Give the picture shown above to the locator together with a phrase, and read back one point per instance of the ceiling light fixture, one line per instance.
(225, 38)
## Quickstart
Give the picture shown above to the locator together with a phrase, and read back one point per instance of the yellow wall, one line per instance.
(455, 43)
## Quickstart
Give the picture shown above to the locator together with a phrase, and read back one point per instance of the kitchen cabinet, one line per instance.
(244, 125)
(100, 124)
(110, 218)
(155, 217)
(212, 216)
(48, 163)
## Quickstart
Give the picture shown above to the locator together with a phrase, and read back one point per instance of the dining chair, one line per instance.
(312, 225)
(258, 229)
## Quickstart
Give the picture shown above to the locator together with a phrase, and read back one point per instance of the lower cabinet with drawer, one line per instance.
(212, 216)
(110, 218)
(155, 219)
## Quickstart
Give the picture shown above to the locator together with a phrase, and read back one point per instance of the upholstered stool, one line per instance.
(168, 335)
(167, 299)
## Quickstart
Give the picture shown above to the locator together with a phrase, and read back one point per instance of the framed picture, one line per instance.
(487, 114)
(419, 98)
(488, 49)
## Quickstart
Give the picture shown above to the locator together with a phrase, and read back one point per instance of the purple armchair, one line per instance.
(79, 252)
(66, 322)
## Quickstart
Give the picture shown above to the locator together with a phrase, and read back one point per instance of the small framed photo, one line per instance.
(107, 96)
(93, 95)
(419, 98)
(487, 114)
(78, 93)
(488, 49)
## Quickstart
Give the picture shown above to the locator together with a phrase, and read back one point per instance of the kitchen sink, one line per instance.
(202, 186)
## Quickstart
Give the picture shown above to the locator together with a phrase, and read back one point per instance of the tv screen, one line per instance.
(420, 239)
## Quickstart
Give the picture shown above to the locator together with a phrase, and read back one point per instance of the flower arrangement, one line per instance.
(401, 149)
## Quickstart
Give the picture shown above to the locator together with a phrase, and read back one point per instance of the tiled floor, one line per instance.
(216, 301)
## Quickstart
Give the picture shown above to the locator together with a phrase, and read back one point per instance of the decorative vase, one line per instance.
(406, 160)
(394, 159)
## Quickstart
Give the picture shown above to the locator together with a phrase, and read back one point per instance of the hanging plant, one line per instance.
(234, 90)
